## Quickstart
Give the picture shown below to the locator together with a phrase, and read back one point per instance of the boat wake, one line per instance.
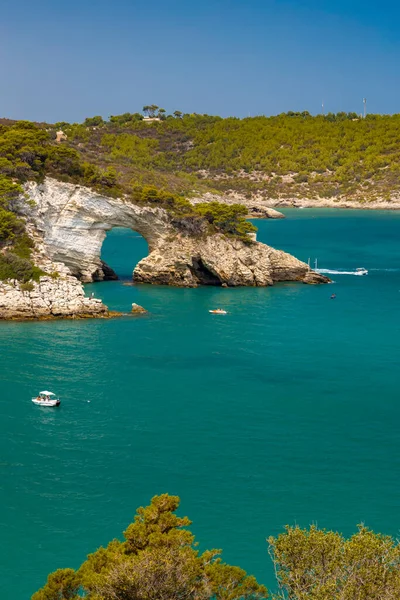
(335, 272)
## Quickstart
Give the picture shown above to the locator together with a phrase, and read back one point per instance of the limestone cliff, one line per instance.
(72, 221)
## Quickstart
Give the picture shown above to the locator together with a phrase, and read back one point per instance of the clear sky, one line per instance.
(69, 59)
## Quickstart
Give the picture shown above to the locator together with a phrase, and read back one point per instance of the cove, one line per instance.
(283, 411)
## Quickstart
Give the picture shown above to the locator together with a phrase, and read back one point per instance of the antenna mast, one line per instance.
(365, 107)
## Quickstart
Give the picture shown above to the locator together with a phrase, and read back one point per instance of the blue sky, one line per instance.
(64, 60)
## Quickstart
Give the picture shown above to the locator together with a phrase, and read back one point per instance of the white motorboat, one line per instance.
(218, 311)
(46, 398)
(361, 271)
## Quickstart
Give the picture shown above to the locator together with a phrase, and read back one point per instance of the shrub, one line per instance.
(93, 121)
(8, 189)
(27, 286)
(149, 194)
(14, 267)
(10, 225)
(158, 560)
(64, 160)
(227, 218)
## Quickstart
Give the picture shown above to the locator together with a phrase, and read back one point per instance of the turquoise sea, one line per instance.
(286, 410)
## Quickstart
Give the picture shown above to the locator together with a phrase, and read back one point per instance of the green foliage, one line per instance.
(63, 160)
(23, 150)
(131, 148)
(150, 109)
(332, 154)
(93, 176)
(9, 190)
(61, 585)
(314, 564)
(126, 118)
(160, 164)
(27, 286)
(22, 245)
(93, 121)
(157, 561)
(227, 218)
(15, 267)
(10, 225)
(151, 195)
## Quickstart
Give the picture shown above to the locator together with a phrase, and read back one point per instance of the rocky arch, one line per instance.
(70, 223)
(73, 221)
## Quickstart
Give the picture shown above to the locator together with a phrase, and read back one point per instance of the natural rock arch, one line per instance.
(70, 223)
(73, 222)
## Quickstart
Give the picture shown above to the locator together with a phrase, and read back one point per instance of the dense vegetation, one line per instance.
(158, 560)
(289, 155)
(164, 159)
(29, 152)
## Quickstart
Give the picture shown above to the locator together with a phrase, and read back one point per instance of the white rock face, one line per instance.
(217, 260)
(73, 221)
(60, 297)
(70, 223)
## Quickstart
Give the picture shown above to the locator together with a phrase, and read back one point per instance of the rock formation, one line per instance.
(138, 310)
(70, 223)
(51, 297)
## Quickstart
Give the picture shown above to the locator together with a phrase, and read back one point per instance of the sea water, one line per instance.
(286, 410)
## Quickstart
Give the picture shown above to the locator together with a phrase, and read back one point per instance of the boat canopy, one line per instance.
(45, 393)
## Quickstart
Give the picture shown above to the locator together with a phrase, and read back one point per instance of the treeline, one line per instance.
(29, 152)
(174, 156)
(159, 560)
(328, 155)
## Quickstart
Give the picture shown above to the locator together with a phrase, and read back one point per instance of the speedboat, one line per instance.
(361, 271)
(46, 398)
(218, 311)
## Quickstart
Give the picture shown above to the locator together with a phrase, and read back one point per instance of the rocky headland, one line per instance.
(72, 221)
(68, 224)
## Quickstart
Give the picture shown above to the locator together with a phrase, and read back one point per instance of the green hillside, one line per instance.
(290, 155)
(165, 161)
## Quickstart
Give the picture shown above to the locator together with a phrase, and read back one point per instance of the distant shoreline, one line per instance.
(329, 203)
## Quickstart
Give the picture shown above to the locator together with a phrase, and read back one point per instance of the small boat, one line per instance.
(361, 271)
(46, 398)
(218, 311)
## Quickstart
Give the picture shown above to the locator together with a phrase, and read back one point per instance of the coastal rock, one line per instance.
(48, 298)
(256, 208)
(72, 221)
(138, 310)
(69, 223)
(313, 278)
(218, 260)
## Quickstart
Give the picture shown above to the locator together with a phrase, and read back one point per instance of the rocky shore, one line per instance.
(72, 221)
(61, 297)
(68, 224)
(337, 203)
(219, 260)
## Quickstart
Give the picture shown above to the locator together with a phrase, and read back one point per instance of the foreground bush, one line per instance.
(314, 564)
(157, 561)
